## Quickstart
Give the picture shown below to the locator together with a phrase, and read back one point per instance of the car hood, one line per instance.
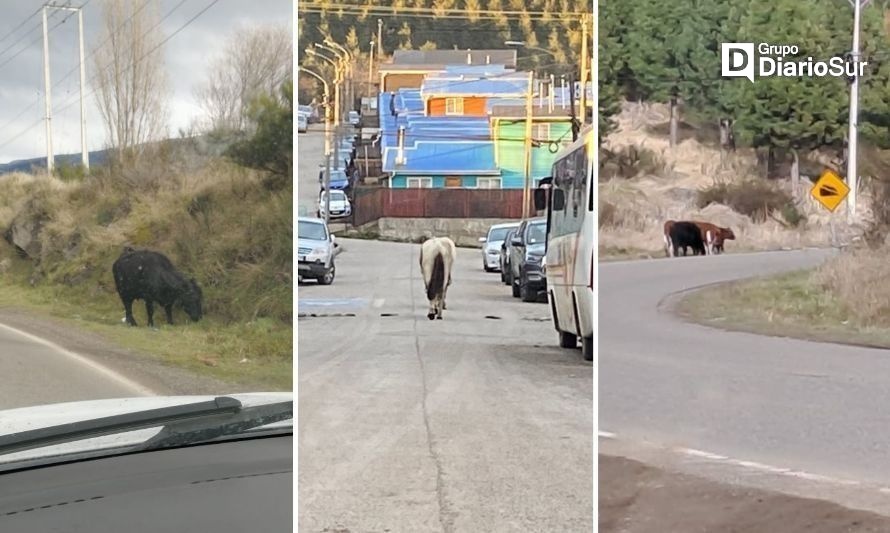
(311, 244)
(43, 416)
(335, 204)
(493, 246)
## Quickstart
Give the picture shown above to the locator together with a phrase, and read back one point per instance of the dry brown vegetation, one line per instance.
(643, 183)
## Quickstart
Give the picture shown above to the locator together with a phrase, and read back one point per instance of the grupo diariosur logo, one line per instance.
(737, 60)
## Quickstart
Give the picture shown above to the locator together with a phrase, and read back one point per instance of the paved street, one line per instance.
(477, 422)
(743, 407)
(310, 152)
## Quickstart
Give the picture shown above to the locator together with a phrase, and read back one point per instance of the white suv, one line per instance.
(316, 250)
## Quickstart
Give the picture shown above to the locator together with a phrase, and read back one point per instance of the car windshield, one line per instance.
(173, 267)
(313, 231)
(498, 234)
(336, 196)
(536, 233)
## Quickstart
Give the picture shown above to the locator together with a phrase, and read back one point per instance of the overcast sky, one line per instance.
(187, 56)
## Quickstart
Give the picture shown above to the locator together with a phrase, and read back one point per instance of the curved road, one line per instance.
(742, 407)
(36, 372)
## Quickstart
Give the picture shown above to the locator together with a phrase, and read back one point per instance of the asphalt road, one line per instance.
(310, 152)
(815, 408)
(477, 422)
(37, 372)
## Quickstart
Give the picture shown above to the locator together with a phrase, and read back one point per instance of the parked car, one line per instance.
(340, 206)
(353, 117)
(528, 247)
(302, 123)
(316, 250)
(504, 258)
(491, 247)
(310, 112)
(339, 179)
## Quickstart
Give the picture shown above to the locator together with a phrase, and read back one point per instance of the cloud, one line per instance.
(187, 57)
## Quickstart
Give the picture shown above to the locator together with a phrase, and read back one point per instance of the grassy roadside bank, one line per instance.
(796, 304)
(217, 222)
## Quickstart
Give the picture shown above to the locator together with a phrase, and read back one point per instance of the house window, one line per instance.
(453, 182)
(541, 132)
(420, 183)
(454, 106)
(488, 183)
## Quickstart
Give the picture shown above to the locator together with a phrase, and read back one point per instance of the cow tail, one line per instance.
(437, 278)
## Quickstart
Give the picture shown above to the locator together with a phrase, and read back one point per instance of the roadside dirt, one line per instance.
(142, 368)
(637, 498)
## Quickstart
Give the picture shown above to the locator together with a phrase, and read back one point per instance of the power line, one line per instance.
(461, 15)
(22, 23)
(406, 9)
(133, 63)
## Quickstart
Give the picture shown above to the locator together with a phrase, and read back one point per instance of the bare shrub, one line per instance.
(757, 199)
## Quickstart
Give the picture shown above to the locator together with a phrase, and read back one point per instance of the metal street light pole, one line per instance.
(327, 108)
(345, 59)
(338, 79)
(852, 136)
(370, 68)
(350, 69)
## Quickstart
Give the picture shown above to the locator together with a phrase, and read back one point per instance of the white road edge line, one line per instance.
(93, 365)
(753, 465)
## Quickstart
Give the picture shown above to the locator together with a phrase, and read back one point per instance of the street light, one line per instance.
(338, 79)
(370, 67)
(346, 59)
(327, 107)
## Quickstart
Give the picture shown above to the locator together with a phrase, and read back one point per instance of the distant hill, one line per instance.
(26, 165)
(206, 145)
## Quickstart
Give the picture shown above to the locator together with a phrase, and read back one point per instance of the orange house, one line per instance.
(465, 106)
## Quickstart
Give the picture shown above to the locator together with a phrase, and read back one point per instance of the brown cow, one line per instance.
(668, 245)
(714, 236)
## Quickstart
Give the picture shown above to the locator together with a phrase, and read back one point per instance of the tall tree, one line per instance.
(256, 61)
(130, 81)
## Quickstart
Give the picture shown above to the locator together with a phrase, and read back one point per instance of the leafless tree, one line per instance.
(256, 61)
(130, 80)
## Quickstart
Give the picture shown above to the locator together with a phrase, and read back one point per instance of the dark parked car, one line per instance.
(528, 246)
(505, 257)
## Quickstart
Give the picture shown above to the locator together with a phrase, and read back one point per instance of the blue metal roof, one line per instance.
(478, 70)
(443, 158)
(474, 87)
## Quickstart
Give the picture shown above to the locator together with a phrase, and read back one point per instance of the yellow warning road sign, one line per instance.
(830, 190)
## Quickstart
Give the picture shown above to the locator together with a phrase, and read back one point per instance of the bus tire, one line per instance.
(568, 340)
(587, 348)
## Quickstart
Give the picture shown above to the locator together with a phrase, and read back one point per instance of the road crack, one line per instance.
(446, 514)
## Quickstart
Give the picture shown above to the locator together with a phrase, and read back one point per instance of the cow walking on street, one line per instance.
(151, 277)
(436, 259)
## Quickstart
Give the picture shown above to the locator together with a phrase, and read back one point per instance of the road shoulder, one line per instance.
(145, 369)
(637, 498)
(787, 305)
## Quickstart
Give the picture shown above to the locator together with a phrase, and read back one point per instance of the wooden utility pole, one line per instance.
(585, 65)
(526, 191)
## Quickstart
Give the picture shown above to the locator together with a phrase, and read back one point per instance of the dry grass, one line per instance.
(692, 183)
(860, 281)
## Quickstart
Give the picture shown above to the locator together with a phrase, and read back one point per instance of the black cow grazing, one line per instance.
(686, 234)
(151, 277)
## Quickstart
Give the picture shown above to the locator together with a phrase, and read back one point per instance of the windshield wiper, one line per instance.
(182, 424)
